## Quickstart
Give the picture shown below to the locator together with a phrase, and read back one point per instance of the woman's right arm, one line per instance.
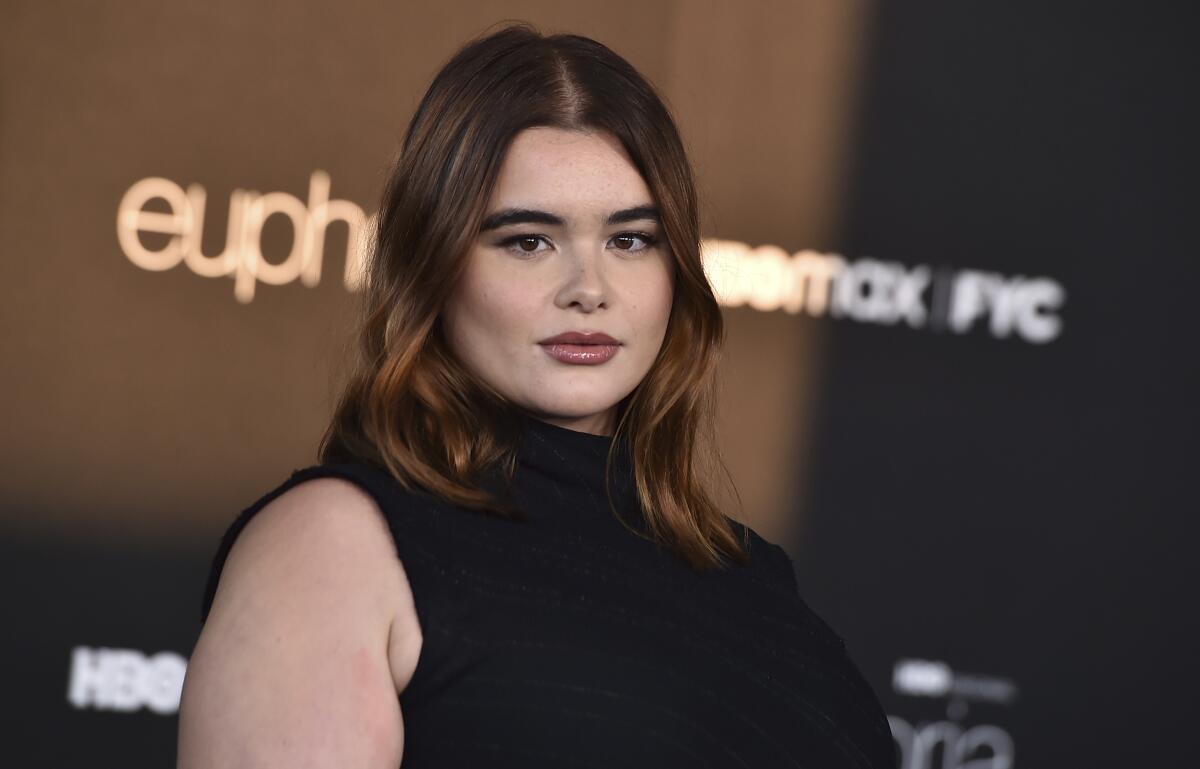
(294, 665)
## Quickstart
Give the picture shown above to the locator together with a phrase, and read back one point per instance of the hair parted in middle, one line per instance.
(410, 406)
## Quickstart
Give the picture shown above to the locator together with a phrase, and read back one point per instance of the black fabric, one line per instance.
(567, 641)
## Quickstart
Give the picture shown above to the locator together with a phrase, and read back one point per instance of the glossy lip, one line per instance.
(581, 337)
(581, 354)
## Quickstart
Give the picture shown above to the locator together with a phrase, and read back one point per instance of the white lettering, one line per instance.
(1009, 304)
(811, 277)
(125, 680)
(946, 745)
(881, 292)
(132, 220)
(765, 278)
(242, 256)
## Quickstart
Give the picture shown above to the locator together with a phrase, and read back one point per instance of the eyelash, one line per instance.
(510, 243)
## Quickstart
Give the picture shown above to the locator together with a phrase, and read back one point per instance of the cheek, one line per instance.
(487, 308)
(648, 294)
(656, 293)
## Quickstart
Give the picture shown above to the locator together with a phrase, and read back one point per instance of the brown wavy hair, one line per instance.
(412, 407)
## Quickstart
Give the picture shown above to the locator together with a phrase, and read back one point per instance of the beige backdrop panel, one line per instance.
(151, 404)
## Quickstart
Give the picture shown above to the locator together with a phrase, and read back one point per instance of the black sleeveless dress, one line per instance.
(567, 641)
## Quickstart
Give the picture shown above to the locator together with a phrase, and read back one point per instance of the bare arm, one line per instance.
(294, 666)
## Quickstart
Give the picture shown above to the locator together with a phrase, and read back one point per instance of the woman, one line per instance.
(507, 556)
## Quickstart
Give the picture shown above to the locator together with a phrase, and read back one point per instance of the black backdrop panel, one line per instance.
(997, 525)
(97, 646)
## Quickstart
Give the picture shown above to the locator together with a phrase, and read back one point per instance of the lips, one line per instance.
(581, 348)
(581, 337)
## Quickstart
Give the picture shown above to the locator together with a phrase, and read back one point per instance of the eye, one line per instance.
(648, 241)
(526, 244)
(518, 244)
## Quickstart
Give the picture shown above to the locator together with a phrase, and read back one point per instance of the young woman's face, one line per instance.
(570, 243)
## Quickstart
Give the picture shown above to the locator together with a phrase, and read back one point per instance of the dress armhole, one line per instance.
(360, 475)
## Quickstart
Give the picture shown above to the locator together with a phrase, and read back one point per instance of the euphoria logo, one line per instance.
(873, 291)
(948, 743)
(242, 258)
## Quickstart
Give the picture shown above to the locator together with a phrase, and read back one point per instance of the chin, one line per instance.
(573, 406)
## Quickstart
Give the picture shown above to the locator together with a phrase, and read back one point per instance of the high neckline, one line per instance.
(570, 464)
(545, 428)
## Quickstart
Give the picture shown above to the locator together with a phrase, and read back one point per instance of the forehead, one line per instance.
(557, 169)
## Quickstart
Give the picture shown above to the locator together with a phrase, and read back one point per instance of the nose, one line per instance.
(584, 285)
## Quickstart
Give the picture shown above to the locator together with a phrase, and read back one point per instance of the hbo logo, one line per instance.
(125, 680)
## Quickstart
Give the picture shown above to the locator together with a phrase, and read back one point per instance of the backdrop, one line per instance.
(952, 242)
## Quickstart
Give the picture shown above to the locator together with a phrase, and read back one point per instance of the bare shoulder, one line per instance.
(318, 529)
(311, 634)
(326, 541)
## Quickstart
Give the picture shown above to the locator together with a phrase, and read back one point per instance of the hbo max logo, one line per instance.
(125, 680)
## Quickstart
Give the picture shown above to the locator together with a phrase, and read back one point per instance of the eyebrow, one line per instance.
(507, 216)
